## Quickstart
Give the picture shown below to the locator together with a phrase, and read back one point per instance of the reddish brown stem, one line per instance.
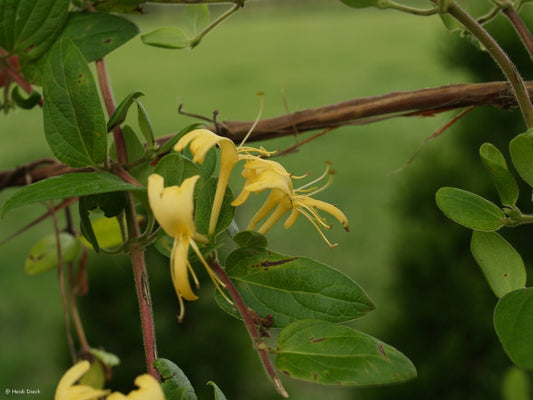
(109, 100)
(143, 290)
(250, 326)
(521, 29)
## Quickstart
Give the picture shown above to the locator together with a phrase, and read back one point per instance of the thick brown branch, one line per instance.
(352, 112)
(365, 110)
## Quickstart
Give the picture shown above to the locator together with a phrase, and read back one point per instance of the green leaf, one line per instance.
(327, 353)
(98, 34)
(173, 381)
(144, 124)
(521, 148)
(30, 27)
(513, 320)
(86, 226)
(168, 38)
(218, 393)
(66, 186)
(175, 168)
(516, 385)
(120, 114)
(293, 288)
(250, 239)
(197, 16)
(74, 121)
(469, 209)
(504, 181)
(363, 3)
(202, 213)
(500, 262)
(43, 255)
(106, 358)
(106, 233)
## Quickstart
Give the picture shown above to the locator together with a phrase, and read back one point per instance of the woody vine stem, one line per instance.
(136, 250)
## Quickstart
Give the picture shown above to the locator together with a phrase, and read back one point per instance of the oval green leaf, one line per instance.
(43, 255)
(74, 122)
(293, 288)
(327, 353)
(500, 262)
(167, 38)
(175, 384)
(513, 320)
(67, 186)
(521, 148)
(504, 181)
(106, 233)
(469, 209)
(197, 17)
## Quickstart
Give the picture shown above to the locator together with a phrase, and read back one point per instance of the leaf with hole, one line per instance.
(293, 288)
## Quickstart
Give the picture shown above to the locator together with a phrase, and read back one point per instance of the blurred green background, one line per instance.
(316, 52)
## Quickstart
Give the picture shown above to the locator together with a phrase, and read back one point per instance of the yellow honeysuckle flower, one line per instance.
(149, 389)
(67, 390)
(173, 208)
(200, 141)
(263, 174)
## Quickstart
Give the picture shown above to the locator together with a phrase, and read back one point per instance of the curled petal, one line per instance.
(327, 207)
(201, 141)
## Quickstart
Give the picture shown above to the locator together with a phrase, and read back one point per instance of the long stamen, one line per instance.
(182, 309)
(314, 214)
(326, 172)
(318, 229)
(261, 104)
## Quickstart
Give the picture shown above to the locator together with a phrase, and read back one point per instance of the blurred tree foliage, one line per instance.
(445, 306)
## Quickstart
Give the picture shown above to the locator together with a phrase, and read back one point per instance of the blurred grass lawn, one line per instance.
(317, 54)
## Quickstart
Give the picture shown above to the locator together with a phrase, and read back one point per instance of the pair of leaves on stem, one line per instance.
(307, 300)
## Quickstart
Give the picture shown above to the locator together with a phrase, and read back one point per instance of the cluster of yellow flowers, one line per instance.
(67, 389)
(173, 206)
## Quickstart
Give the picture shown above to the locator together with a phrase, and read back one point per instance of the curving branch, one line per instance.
(365, 110)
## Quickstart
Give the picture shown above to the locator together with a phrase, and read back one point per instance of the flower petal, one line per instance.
(149, 389)
(179, 269)
(173, 206)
